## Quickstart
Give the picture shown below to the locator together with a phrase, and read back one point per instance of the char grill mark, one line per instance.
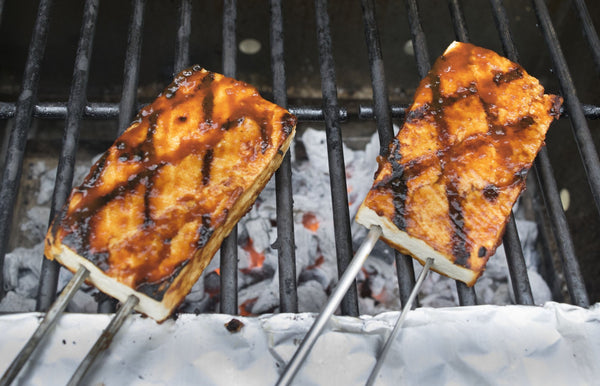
(507, 77)
(206, 162)
(460, 247)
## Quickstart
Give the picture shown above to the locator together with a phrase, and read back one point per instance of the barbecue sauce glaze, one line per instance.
(459, 162)
(156, 196)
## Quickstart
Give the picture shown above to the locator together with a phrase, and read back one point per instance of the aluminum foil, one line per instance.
(553, 344)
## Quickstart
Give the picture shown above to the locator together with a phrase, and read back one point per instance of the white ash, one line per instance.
(316, 266)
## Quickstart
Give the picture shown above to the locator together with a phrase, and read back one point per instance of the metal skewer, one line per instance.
(104, 340)
(52, 315)
(399, 322)
(329, 308)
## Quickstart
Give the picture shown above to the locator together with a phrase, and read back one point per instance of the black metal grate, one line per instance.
(330, 112)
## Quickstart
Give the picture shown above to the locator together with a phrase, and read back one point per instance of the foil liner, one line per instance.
(552, 344)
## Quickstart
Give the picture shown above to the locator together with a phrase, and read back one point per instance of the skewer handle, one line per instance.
(52, 315)
(104, 340)
(407, 307)
(329, 308)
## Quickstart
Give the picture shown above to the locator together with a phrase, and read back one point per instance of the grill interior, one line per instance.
(83, 81)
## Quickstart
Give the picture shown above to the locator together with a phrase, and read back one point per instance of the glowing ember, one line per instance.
(310, 221)
(256, 258)
(246, 306)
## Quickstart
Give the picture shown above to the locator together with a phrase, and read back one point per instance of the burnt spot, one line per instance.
(507, 77)
(204, 231)
(525, 122)
(234, 325)
(482, 252)
(182, 118)
(206, 163)
(491, 192)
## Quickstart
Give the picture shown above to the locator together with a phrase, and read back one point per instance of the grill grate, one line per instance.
(331, 113)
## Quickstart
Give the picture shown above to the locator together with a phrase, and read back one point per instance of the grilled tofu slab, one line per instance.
(458, 164)
(156, 206)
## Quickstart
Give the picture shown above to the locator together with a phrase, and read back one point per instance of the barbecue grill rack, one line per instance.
(330, 110)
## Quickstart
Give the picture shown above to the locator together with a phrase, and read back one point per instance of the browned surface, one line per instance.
(459, 162)
(156, 197)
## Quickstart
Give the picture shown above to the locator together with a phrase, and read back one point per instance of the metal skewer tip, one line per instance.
(399, 322)
(334, 301)
(104, 340)
(50, 319)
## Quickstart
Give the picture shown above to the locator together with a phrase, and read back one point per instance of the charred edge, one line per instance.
(96, 172)
(158, 289)
(152, 125)
(397, 182)
(264, 136)
(507, 77)
(556, 105)
(204, 232)
(171, 90)
(288, 122)
(482, 252)
(206, 163)
(417, 114)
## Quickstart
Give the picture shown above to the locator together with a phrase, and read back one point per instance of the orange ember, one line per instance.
(320, 260)
(310, 221)
(256, 258)
(245, 306)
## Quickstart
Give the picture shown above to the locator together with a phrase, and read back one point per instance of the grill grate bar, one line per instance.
(1, 9)
(458, 21)
(544, 174)
(286, 250)
(66, 162)
(104, 110)
(418, 38)
(404, 263)
(13, 164)
(517, 268)
(131, 68)
(581, 131)
(229, 255)
(589, 31)
(337, 175)
(182, 46)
